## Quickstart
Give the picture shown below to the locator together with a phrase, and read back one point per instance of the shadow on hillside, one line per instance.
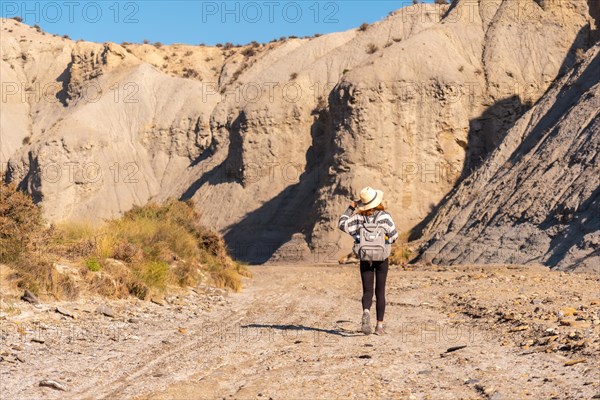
(485, 134)
(586, 221)
(508, 111)
(260, 233)
(64, 78)
(337, 332)
(230, 170)
(565, 100)
(585, 39)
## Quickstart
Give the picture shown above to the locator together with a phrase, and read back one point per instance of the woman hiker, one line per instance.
(368, 206)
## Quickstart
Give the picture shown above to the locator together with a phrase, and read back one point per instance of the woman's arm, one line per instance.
(390, 227)
(345, 218)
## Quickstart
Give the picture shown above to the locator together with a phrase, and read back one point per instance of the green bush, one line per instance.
(93, 265)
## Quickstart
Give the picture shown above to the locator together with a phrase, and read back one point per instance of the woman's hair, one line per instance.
(372, 210)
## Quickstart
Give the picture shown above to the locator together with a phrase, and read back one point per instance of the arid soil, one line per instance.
(293, 333)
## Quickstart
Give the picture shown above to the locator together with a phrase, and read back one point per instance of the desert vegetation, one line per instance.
(147, 251)
(372, 48)
(401, 251)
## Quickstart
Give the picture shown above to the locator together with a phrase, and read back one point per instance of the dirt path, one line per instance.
(293, 333)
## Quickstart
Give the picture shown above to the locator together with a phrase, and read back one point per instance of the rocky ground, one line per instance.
(496, 332)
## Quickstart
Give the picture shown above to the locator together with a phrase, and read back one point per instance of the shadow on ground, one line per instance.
(337, 332)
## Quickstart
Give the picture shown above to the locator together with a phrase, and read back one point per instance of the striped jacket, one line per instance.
(351, 223)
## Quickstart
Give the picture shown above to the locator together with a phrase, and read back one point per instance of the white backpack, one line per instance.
(371, 245)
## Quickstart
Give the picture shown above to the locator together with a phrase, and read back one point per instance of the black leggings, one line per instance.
(367, 274)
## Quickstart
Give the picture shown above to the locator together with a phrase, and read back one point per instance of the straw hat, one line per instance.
(369, 198)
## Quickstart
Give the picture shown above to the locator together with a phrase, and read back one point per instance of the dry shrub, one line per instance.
(186, 274)
(227, 276)
(41, 278)
(138, 289)
(190, 73)
(154, 274)
(20, 223)
(113, 281)
(128, 252)
(147, 249)
(249, 52)
(401, 253)
(372, 48)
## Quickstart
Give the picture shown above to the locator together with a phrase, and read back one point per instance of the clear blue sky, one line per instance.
(195, 22)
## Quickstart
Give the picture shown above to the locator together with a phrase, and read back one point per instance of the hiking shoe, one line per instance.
(379, 330)
(366, 322)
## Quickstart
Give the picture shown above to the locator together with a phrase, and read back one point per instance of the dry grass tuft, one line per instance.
(401, 252)
(147, 250)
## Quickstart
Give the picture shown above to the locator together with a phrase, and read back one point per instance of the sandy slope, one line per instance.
(292, 333)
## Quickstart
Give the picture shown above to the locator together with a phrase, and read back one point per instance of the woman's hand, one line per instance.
(353, 204)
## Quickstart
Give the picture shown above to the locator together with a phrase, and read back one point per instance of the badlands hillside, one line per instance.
(272, 140)
(536, 199)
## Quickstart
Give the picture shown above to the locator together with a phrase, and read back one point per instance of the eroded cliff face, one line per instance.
(536, 199)
(273, 140)
(432, 108)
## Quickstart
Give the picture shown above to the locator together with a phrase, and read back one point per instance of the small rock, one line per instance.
(580, 324)
(488, 391)
(364, 356)
(30, 297)
(64, 312)
(567, 311)
(133, 320)
(568, 363)
(520, 328)
(158, 301)
(551, 331)
(38, 340)
(105, 310)
(471, 381)
(53, 384)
